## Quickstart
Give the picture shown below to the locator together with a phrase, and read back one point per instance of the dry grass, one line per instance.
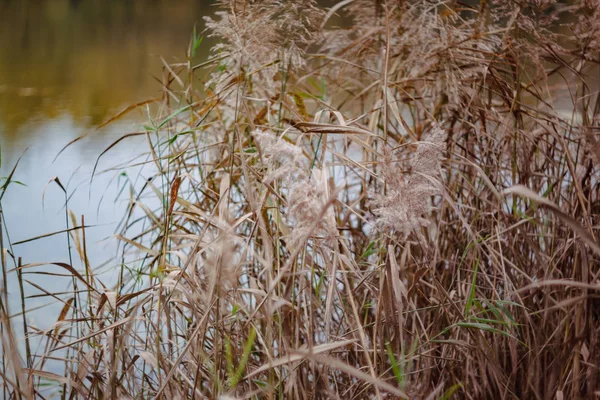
(407, 207)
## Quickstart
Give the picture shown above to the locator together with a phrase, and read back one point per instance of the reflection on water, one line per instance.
(65, 66)
(86, 57)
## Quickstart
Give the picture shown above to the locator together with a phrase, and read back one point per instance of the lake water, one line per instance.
(66, 66)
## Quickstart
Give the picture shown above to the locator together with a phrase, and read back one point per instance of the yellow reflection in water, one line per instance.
(86, 58)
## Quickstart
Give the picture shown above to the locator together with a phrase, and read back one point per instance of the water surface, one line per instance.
(66, 66)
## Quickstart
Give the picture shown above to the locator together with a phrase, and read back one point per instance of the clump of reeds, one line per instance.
(405, 207)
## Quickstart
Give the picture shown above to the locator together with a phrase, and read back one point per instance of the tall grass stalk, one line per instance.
(403, 207)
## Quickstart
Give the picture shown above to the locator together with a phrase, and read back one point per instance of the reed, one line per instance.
(403, 207)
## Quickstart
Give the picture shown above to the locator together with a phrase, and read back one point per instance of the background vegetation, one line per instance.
(405, 207)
